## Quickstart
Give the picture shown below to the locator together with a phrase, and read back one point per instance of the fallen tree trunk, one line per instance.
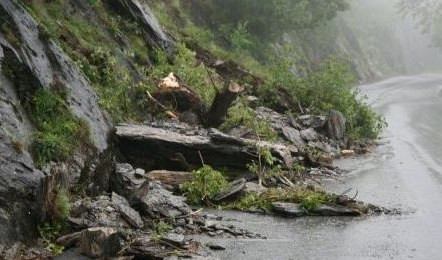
(175, 147)
(220, 106)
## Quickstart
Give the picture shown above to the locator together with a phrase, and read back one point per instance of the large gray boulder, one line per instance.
(336, 128)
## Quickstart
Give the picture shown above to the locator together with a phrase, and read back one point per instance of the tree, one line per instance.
(268, 18)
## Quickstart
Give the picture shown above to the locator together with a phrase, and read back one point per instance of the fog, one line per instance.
(384, 26)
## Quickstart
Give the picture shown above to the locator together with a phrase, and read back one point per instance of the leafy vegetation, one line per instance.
(206, 182)
(329, 87)
(49, 233)
(241, 114)
(308, 197)
(160, 228)
(59, 133)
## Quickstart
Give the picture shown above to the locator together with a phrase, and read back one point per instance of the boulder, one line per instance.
(294, 136)
(309, 134)
(336, 127)
(178, 147)
(159, 202)
(129, 214)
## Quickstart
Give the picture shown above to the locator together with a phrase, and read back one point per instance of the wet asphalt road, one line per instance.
(405, 172)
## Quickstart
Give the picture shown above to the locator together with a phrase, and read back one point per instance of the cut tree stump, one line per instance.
(220, 106)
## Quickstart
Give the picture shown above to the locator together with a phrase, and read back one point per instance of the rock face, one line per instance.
(33, 64)
(47, 66)
(142, 14)
(18, 177)
(336, 125)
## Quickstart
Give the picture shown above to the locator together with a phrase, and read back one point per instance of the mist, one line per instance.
(383, 29)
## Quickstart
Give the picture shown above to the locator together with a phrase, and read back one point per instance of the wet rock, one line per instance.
(129, 214)
(336, 125)
(294, 136)
(159, 202)
(309, 134)
(234, 190)
(69, 240)
(326, 210)
(216, 247)
(174, 239)
(288, 209)
(100, 242)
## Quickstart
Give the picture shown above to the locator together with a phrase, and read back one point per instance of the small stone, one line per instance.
(212, 234)
(288, 209)
(216, 247)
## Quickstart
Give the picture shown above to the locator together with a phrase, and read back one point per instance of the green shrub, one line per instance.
(240, 39)
(59, 133)
(206, 182)
(49, 233)
(62, 205)
(331, 86)
(240, 114)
